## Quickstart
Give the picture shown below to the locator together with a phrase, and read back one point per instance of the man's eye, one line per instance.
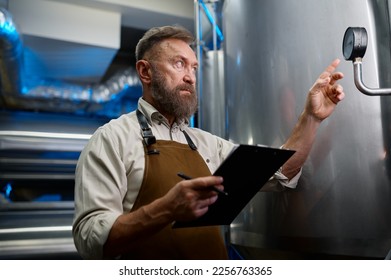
(180, 64)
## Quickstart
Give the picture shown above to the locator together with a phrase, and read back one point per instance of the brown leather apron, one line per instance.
(163, 160)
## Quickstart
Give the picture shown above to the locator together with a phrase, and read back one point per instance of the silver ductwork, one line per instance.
(42, 132)
(10, 56)
(20, 92)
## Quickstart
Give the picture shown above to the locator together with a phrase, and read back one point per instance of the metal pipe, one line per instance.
(198, 35)
(38, 134)
(357, 68)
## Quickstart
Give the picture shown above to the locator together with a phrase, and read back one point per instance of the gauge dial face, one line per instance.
(348, 42)
(354, 43)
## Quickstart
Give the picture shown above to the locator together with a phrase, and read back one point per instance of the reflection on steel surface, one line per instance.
(271, 59)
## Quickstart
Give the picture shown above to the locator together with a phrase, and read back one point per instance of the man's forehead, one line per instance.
(177, 46)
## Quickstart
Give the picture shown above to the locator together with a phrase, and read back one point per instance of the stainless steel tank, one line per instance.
(274, 51)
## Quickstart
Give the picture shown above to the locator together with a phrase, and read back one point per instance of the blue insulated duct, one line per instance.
(20, 92)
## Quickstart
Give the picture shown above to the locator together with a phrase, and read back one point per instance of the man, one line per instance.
(127, 192)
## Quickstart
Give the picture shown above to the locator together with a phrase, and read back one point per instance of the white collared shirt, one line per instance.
(110, 172)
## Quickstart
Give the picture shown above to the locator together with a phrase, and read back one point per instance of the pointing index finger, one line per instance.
(331, 68)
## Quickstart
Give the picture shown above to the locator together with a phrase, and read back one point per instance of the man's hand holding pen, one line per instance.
(183, 176)
(190, 199)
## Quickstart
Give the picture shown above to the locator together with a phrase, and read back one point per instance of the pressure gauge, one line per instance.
(355, 43)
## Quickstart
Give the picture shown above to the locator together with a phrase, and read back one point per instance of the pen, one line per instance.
(183, 176)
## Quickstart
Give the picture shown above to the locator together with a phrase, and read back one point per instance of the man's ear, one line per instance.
(144, 71)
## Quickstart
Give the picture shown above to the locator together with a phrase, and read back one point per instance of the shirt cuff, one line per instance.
(284, 181)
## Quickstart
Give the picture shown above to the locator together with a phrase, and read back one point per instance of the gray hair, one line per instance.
(157, 34)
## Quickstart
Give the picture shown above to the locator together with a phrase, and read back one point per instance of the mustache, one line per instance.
(187, 88)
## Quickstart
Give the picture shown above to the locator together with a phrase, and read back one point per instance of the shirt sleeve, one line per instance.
(100, 177)
(284, 181)
(278, 182)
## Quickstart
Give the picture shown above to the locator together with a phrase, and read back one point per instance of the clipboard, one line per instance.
(246, 169)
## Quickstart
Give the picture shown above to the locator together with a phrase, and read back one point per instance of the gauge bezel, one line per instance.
(355, 42)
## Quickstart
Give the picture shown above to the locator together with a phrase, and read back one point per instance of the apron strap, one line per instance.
(146, 131)
(189, 141)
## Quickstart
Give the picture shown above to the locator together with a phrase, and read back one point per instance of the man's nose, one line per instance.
(190, 77)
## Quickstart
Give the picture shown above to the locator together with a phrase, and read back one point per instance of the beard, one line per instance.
(169, 100)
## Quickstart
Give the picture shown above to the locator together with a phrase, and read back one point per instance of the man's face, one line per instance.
(173, 79)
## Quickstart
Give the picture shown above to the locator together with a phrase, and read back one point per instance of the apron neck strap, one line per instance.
(146, 131)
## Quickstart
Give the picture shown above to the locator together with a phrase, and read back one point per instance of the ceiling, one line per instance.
(87, 41)
(77, 56)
